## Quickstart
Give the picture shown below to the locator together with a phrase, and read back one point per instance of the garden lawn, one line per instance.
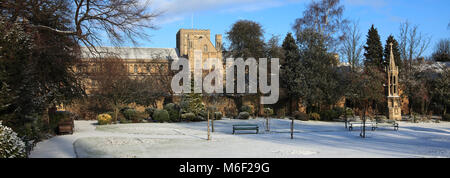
(188, 140)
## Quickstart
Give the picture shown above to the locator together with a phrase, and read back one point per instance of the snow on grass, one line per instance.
(188, 140)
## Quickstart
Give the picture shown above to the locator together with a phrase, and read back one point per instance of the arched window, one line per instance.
(135, 69)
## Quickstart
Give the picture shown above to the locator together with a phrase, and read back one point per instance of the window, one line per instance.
(205, 48)
(135, 69)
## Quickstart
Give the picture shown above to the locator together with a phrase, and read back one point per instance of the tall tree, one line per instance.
(246, 39)
(41, 46)
(119, 20)
(352, 47)
(290, 67)
(373, 50)
(413, 43)
(273, 48)
(325, 18)
(395, 51)
(364, 89)
(318, 83)
(111, 82)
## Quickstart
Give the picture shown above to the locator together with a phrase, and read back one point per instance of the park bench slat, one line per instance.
(245, 127)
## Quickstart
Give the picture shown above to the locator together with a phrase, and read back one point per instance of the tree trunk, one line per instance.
(209, 134)
(212, 123)
(292, 129)
(363, 130)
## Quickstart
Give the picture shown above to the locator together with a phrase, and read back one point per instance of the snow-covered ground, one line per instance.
(187, 140)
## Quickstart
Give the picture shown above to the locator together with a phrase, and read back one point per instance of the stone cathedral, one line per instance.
(393, 96)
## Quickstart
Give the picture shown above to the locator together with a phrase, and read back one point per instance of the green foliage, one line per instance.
(192, 103)
(314, 116)
(189, 117)
(246, 108)
(130, 114)
(174, 111)
(244, 115)
(56, 118)
(268, 112)
(395, 51)
(133, 116)
(373, 49)
(442, 51)
(328, 115)
(161, 116)
(202, 115)
(246, 39)
(300, 116)
(446, 117)
(218, 115)
(381, 118)
(290, 66)
(104, 119)
(349, 112)
(339, 111)
(11, 146)
(150, 111)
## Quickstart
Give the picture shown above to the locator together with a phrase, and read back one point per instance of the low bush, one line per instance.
(328, 115)
(11, 146)
(56, 118)
(161, 116)
(202, 115)
(349, 112)
(446, 117)
(380, 118)
(339, 111)
(188, 116)
(314, 116)
(218, 115)
(300, 116)
(268, 112)
(150, 111)
(246, 108)
(123, 109)
(244, 115)
(174, 111)
(104, 119)
(130, 114)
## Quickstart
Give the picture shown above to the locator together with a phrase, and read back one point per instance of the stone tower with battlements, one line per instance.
(393, 97)
(189, 40)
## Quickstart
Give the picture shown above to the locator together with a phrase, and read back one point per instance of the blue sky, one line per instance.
(277, 17)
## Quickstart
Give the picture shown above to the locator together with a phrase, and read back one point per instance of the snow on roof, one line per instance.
(131, 53)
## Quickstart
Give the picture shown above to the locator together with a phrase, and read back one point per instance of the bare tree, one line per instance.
(325, 18)
(412, 42)
(91, 20)
(352, 46)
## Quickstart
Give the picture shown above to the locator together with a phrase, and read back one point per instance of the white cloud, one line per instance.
(176, 10)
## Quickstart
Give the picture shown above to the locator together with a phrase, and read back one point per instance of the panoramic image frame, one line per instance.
(222, 79)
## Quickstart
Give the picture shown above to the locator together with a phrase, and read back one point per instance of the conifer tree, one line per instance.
(373, 49)
(290, 67)
(395, 50)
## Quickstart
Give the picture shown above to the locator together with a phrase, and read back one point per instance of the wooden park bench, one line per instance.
(245, 127)
(360, 124)
(387, 124)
